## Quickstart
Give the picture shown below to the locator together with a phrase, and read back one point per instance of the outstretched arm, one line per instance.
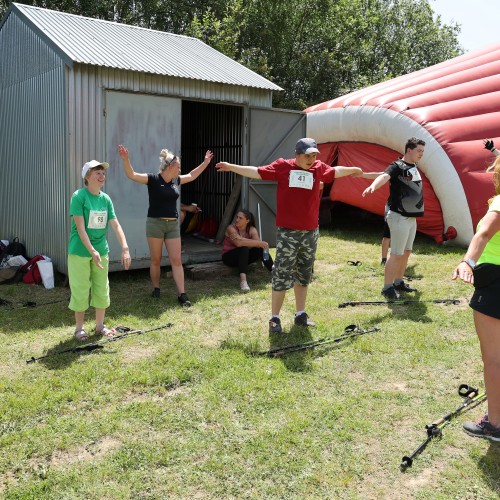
(371, 175)
(341, 171)
(129, 171)
(244, 170)
(195, 173)
(376, 184)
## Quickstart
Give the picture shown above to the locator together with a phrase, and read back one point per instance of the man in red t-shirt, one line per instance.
(297, 212)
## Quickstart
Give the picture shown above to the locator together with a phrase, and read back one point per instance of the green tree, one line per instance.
(315, 50)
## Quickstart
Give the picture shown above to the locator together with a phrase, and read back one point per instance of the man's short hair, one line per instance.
(413, 142)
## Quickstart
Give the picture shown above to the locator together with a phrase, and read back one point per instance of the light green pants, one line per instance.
(86, 278)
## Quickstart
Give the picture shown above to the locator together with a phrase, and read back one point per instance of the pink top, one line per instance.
(228, 243)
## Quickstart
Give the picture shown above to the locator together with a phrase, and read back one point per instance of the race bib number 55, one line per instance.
(98, 219)
(301, 179)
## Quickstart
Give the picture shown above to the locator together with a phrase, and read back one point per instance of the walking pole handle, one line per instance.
(467, 391)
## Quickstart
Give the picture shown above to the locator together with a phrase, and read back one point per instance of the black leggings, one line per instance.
(242, 256)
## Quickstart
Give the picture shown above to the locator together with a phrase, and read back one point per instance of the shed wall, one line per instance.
(33, 173)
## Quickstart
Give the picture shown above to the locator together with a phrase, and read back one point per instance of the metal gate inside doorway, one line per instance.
(219, 128)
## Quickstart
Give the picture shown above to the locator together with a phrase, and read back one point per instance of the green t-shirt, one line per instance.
(97, 211)
(491, 252)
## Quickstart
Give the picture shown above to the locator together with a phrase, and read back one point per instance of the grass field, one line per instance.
(190, 411)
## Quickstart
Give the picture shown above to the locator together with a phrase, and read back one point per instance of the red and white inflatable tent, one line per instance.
(452, 106)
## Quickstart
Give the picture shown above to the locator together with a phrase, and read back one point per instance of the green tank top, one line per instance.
(491, 252)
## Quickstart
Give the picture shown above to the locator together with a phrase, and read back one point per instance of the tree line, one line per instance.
(315, 50)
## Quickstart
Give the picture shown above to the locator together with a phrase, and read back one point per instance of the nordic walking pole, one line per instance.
(29, 304)
(265, 251)
(351, 332)
(126, 332)
(434, 430)
(354, 303)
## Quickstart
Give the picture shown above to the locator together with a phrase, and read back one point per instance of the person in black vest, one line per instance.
(162, 225)
(406, 203)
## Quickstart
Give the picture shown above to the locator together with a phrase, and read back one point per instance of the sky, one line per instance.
(479, 20)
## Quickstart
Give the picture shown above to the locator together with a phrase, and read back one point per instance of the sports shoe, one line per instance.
(390, 293)
(403, 287)
(303, 320)
(482, 429)
(383, 261)
(244, 286)
(275, 325)
(183, 300)
(156, 293)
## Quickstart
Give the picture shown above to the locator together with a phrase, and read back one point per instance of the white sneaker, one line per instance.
(244, 286)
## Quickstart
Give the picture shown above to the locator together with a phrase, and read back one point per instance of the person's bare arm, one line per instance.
(377, 184)
(120, 236)
(240, 241)
(127, 166)
(244, 170)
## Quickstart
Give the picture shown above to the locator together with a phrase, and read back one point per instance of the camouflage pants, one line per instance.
(295, 253)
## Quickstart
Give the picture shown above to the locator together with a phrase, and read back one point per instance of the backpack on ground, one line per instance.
(16, 248)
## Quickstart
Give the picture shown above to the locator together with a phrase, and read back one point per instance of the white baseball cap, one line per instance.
(93, 164)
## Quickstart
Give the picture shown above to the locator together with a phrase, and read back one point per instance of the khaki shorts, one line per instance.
(162, 229)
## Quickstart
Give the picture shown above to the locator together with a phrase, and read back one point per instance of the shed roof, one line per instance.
(96, 42)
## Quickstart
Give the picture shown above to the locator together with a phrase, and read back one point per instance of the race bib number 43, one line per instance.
(301, 179)
(98, 219)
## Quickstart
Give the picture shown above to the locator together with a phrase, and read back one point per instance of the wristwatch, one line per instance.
(470, 262)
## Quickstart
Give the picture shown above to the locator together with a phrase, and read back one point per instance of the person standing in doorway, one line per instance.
(405, 204)
(297, 214)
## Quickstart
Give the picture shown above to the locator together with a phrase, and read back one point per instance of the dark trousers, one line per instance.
(241, 257)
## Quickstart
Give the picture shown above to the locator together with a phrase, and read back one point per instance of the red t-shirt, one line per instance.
(297, 207)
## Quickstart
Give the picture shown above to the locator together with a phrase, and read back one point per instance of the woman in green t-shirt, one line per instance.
(92, 211)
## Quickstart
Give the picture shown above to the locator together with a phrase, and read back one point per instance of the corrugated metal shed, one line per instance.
(73, 88)
(103, 43)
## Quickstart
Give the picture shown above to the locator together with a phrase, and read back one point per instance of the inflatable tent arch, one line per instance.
(452, 106)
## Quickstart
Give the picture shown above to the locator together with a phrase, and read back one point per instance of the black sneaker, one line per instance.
(403, 287)
(183, 300)
(156, 293)
(275, 325)
(303, 320)
(390, 293)
(383, 261)
(482, 429)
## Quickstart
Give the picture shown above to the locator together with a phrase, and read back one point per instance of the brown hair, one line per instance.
(90, 170)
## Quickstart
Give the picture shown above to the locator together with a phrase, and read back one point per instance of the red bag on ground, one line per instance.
(32, 274)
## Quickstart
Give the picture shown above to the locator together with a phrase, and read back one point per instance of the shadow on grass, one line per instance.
(490, 466)
(299, 361)
(68, 351)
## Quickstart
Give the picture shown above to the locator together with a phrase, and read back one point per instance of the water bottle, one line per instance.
(265, 254)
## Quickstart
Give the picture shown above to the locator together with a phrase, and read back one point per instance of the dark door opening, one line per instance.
(219, 128)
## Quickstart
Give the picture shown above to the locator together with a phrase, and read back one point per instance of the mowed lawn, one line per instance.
(190, 411)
